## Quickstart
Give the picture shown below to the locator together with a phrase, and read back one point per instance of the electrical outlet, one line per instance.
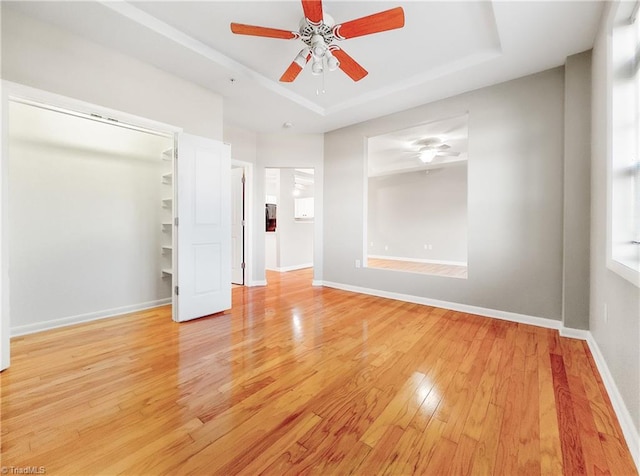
(357, 263)
(430, 247)
(606, 314)
(426, 247)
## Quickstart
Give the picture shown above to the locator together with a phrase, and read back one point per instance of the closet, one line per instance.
(99, 213)
(87, 205)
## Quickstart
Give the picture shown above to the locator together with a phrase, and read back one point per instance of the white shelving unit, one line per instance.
(166, 250)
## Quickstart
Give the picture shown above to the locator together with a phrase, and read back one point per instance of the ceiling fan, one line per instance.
(318, 31)
(433, 147)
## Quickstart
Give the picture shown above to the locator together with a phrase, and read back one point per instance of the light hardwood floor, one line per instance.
(450, 270)
(299, 380)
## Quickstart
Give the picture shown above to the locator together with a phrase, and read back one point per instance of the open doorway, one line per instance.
(289, 215)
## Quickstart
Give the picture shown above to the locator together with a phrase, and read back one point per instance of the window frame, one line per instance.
(623, 162)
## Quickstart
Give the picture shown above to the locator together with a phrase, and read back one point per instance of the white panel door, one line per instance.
(203, 232)
(237, 225)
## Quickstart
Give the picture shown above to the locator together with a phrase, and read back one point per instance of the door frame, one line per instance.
(248, 218)
(11, 91)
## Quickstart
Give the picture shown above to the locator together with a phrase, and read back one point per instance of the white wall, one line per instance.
(410, 210)
(85, 212)
(243, 143)
(45, 57)
(514, 197)
(618, 335)
(295, 237)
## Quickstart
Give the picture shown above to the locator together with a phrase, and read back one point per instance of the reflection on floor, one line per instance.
(298, 379)
(450, 270)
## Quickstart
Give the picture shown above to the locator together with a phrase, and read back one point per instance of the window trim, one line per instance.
(619, 13)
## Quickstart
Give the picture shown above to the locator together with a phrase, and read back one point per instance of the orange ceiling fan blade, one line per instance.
(382, 21)
(313, 10)
(296, 66)
(347, 64)
(252, 30)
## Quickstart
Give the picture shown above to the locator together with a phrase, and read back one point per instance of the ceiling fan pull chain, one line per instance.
(318, 90)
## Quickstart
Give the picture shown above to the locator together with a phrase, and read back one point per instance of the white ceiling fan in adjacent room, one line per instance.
(431, 148)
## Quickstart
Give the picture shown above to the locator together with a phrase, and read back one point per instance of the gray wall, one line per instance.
(617, 332)
(407, 211)
(577, 190)
(515, 177)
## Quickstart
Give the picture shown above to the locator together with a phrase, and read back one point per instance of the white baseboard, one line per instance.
(317, 282)
(257, 282)
(574, 333)
(629, 430)
(295, 267)
(91, 316)
(419, 260)
(504, 315)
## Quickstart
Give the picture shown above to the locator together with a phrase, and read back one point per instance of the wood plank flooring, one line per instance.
(450, 270)
(303, 380)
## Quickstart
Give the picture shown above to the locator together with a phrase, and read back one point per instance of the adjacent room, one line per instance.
(320, 237)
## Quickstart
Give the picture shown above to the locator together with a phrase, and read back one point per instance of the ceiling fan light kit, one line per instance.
(427, 154)
(318, 31)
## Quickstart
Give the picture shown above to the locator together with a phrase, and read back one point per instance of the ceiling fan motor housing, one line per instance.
(318, 38)
(311, 34)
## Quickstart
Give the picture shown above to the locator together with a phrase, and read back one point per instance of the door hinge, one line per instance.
(243, 265)
(177, 290)
(243, 179)
(175, 221)
(244, 223)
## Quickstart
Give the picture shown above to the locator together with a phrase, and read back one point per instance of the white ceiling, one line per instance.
(445, 48)
(398, 151)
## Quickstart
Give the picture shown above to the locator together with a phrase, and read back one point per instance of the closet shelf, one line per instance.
(167, 178)
(167, 154)
(167, 271)
(167, 225)
(167, 248)
(166, 202)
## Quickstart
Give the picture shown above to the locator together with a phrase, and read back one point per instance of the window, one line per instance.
(624, 236)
